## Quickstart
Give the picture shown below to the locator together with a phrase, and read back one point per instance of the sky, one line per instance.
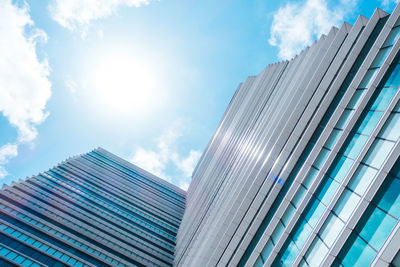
(147, 80)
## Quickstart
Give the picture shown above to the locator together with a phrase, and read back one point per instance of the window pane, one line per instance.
(394, 79)
(341, 168)
(378, 152)
(343, 119)
(333, 138)
(289, 255)
(369, 122)
(392, 37)
(377, 228)
(368, 78)
(310, 177)
(390, 201)
(315, 212)
(359, 254)
(319, 161)
(316, 253)
(328, 190)
(331, 229)
(356, 144)
(355, 99)
(302, 234)
(384, 98)
(361, 179)
(391, 129)
(380, 57)
(267, 249)
(346, 204)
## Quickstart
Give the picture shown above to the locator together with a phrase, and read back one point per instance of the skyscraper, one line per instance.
(94, 209)
(303, 168)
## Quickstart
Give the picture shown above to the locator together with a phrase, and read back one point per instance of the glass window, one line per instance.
(378, 152)
(289, 255)
(392, 37)
(288, 214)
(267, 249)
(331, 229)
(355, 99)
(259, 262)
(377, 228)
(319, 161)
(359, 254)
(346, 204)
(333, 138)
(368, 78)
(391, 129)
(380, 57)
(362, 179)
(341, 168)
(298, 196)
(314, 212)
(356, 144)
(318, 250)
(302, 234)
(390, 201)
(384, 98)
(343, 119)
(277, 232)
(394, 79)
(312, 173)
(369, 123)
(328, 191)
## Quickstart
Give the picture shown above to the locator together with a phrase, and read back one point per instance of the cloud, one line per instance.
(7, 152)
(77, 15)
(24, 84)
(166, 157)
(388, 4)
(296, 25)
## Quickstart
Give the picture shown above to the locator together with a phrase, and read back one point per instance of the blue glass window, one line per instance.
(390, 202)
(356, 144)
(392, 37)
(341, 168)
(394, 79)
(359, 254)
(331, 229)
(391, 130)
(380, 57)
(377, 228)
(384, 98)
(368, 78)
(346, 204)
(378, 152)
(362, 179)
(369, 123)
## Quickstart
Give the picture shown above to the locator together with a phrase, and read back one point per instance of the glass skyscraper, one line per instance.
(303, 170)
(91, 210)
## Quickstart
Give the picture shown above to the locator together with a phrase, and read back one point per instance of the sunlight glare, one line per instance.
(121, 83)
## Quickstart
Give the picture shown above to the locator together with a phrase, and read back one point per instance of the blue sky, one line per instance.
(146, 80)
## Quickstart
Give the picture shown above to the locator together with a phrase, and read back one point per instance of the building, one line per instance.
(304, 168)
(91, 210)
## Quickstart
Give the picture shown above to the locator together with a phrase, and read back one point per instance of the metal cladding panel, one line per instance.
(95, 209)
(275, 162)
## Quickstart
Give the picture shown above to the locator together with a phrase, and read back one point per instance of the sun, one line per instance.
(123, 83)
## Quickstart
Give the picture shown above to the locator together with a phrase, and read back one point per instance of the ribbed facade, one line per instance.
(91, 210)
(304, 168)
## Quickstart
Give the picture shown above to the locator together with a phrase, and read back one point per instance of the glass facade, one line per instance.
(94, 209)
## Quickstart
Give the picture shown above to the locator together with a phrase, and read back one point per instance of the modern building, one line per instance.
(91, 210)
(304, 168)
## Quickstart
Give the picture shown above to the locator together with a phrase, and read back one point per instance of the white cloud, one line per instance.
(71, 85)
(165, 155)
(296, 25)
(24, 84)
(76, 15)
(387, 4)
(7, 152)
